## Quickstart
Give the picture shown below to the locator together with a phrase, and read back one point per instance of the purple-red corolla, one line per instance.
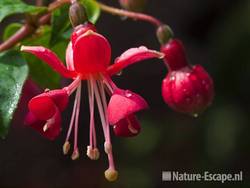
(188, 89)
(88, 58)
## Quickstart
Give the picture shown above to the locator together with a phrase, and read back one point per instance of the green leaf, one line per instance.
(60, 23)
(10, 7)
(13, 73)
(40, 72)
(93, 9)
(10, 30)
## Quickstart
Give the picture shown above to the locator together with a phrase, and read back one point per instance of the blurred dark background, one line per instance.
(217, 36)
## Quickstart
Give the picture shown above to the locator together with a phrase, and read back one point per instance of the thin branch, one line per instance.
(19, 35)
(28, 28)
(129, 14)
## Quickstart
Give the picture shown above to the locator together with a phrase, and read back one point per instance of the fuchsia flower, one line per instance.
(87, 58)
(44, 114)
(188, 89)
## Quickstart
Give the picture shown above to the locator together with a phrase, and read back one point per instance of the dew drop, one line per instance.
(128, 93)
(172, 78)
(119, 73)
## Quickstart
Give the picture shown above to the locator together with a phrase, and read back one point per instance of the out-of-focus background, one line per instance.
(217, 36)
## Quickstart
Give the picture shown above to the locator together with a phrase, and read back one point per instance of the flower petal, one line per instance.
(50, 58)
(53, 126)
(80, 30)
(123, 103)
(42, 107)
(132, 56)
(69, 57)
(127, 127)
(59, 96)
(91, 53)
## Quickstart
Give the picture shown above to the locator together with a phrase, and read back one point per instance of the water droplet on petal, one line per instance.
(172, 78)
(128, 93)
(203, 82)
(119, 73)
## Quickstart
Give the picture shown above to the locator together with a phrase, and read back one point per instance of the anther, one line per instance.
(66, 147)
(93, 153)
(111, 174)
(108, 147)
(75, 155)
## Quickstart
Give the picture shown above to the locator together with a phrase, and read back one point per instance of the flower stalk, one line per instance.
(130, 14)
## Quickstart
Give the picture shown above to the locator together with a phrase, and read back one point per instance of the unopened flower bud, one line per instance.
(77, 14)
(133, 5)
(188, 89)
(164, 33)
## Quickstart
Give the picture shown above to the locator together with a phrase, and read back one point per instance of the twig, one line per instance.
(29, 28)
(129, 14)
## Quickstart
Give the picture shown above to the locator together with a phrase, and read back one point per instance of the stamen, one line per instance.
(66, 148)
(107, 147)
(75, 154)
(111, 173)
(74, 85)
(105, 106)
(72, 120)
(92, 132)
(93, 154)
(100, 108)
(109, 83)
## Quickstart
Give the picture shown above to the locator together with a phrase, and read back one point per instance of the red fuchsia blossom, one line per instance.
(188, 89)
(45, 112)
(132, 103)
(87, 58)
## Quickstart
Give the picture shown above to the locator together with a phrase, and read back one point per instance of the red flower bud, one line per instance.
(133, 5)
(187, 89)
